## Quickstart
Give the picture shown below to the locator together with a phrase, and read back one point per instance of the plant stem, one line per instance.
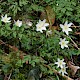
(56, 72)
(74, 43)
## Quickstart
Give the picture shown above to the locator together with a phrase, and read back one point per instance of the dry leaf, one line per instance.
(43, 16)
(77, 33)
(69, 78)
(77, 79)
(27, 62)
(55, 28)
(21, 56)
(49, 15)
(73, 67)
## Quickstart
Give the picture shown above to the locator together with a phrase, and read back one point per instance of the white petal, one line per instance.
(61, 66)
(66, 72)
(46, 24)
(64, 39)
(66, 23)
(56, 63)
(64, 64)
(20, 24)
(69, 29)
(67, 32)
(78, 67)
(66, 42)
(39, 20)
(5, 15)
(60, 39)
(62, 47)
(43, 28)
(69, 25)
(41, 31)
(59, 42)
(62, 60)
(62, 73)
(9, 18)
(37, 29)
(66, 45)
(2, 16)
(44, 20)
(61, 25)
(58, 59)
(37, 25)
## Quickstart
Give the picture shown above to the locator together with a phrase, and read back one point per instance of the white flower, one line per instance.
(5, 19)
(60, 63)
(63, 70)
(41, 25)
(65, 27)
(48, 33)
(18, 23)
(63, 43)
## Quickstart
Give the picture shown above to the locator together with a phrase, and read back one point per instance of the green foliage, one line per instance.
(65, 9)
(63, 12)
(27, 54)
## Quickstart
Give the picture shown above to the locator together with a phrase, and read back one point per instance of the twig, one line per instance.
(74, 43)
(12, 47)
(9, 76)
(56, 72)
(75, 26)
(1, 42)
(5, 78)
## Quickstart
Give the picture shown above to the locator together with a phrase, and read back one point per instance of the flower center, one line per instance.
(65, 27)
(5, 19)
(17, 23)
(63, 43)
(63, 69)
(60, 63)
(41, 25)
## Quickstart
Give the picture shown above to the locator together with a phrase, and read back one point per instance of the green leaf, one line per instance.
(23, 2)
(6, 68)
(14, 34)
(19, 63)
(34, 74)
(20, 35)
(36, 7)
